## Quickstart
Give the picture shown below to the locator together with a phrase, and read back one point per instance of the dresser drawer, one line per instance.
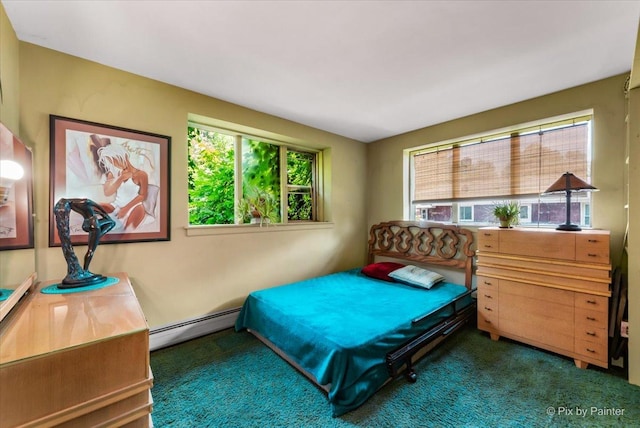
(588, 318)
(538, 243)
(487, 295)
(524, 314)
(488, 321)
(488, 306)
(592, 350)
(540, 314)
(592, 248)
(551, 325)
(488, 316)
(591, 334)
(562, 269)
(489, 240)
(538, 296)
(521, 273)
(487, 282)
(591, 302)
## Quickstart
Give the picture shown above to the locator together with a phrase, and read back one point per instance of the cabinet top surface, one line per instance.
(45, 323)
(544, 230)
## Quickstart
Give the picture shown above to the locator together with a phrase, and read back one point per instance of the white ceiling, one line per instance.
(361, 69)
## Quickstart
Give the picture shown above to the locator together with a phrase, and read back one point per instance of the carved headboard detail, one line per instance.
(424, 242)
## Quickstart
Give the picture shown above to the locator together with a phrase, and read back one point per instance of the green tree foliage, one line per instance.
(299, 170)
(261, 169)
(211, 177)
(299, 177)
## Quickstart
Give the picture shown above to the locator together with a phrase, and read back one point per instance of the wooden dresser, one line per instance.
(76, 360)
(547, 288)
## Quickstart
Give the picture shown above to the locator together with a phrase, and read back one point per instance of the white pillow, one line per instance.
(414, 275)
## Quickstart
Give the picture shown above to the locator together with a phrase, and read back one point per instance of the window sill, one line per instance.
(233, 229)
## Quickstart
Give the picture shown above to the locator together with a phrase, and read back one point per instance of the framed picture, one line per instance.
(16, 192)
(123, 170)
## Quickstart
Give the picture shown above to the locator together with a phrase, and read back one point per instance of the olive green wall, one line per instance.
(606, 98)
(9, 73)
(188, 276)
(15, 265)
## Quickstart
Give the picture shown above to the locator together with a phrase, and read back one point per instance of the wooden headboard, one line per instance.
(424, 242)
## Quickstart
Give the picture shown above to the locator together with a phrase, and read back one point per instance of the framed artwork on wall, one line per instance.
(16, 192)
(124, 170)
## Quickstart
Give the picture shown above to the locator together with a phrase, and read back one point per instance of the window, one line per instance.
(230, 174)
(525, 213)
(466, 213)
(585, 209)
(468, 177)
(300, 191)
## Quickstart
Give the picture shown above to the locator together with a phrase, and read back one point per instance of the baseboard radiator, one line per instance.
(172, 334)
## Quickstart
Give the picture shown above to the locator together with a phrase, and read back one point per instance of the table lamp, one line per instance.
(568, 183)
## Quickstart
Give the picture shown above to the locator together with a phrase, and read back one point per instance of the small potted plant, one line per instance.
(508, 213)
(258, 207)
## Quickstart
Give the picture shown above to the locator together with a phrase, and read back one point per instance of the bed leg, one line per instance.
(409, 373)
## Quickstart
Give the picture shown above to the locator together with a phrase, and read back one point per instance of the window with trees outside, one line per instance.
(461, 181)
(235, 179)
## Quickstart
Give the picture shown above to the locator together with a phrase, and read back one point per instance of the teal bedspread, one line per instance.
(340, 327)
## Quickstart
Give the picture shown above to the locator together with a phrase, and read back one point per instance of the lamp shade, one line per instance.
(568, 181)
(11, 170)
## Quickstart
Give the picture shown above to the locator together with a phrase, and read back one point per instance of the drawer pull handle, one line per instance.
(591, 302)
(488, 297)
(487, 283)
(591, 319)
(487, 246)
(592, 255)
(590, 333)
(592, 240)
(488, 309)
(487, 321)
(591, 350)
(487, 234)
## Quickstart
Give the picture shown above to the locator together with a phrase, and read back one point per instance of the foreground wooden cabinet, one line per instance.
(76, 360)
(547, 288)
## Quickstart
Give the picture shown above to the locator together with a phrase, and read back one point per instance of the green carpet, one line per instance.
(230, 379)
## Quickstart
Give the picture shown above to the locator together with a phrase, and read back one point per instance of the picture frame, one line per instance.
(124, 170)
(16, 205)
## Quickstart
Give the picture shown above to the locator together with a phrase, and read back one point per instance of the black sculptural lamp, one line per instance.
(568, 183)
(96, 223)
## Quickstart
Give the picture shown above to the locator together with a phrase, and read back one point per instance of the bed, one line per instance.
(351, 332)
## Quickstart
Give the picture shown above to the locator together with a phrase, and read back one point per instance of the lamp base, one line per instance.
(569, 227)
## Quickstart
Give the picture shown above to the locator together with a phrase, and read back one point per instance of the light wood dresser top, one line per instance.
(47, 323)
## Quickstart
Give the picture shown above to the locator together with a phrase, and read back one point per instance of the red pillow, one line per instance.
(381, 270)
